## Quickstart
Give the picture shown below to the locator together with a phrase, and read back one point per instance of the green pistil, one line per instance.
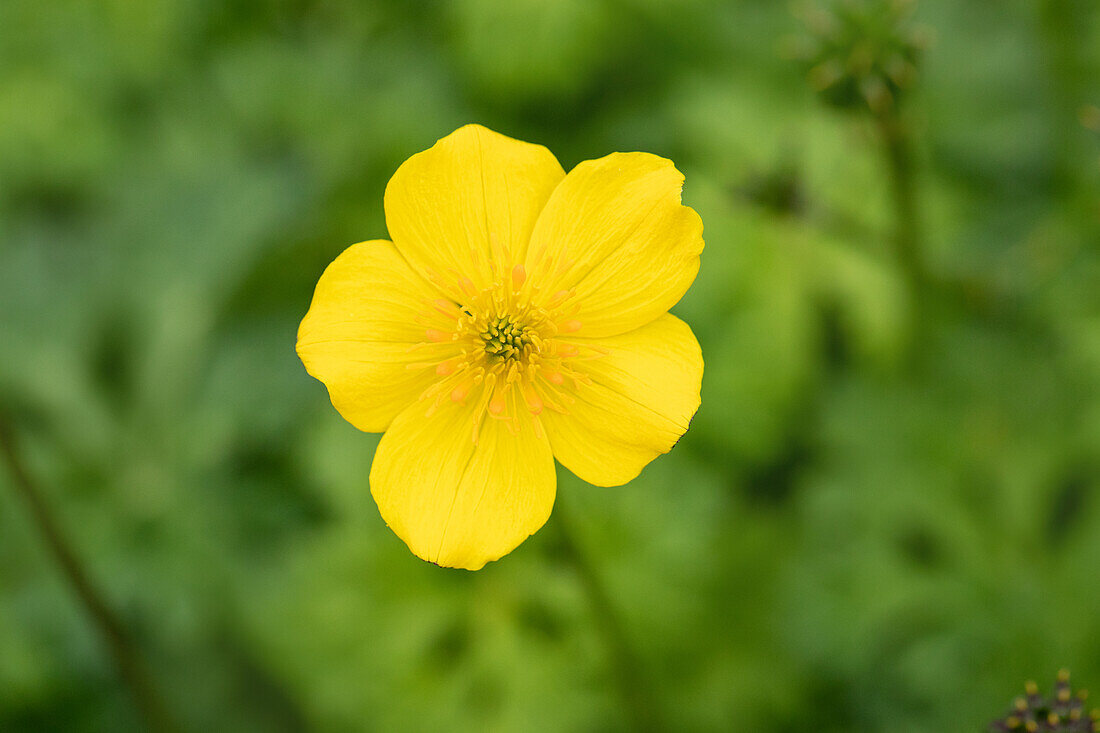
(504, 339)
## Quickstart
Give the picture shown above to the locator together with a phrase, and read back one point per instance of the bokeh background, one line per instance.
(885, 516)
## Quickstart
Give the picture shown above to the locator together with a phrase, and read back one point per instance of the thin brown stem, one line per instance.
(130, 667)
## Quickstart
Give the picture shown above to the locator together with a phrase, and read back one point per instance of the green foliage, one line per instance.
(884, 517)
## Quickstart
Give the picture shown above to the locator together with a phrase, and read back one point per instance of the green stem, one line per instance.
(908, 235)
(130, 667)
(1063, 26)
(640, 704)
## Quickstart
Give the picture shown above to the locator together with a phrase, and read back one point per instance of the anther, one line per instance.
(569, 326)
(558, 298)
(519, 276)
(446, 307)
(434, 334)
(534, 402)
(467, 286)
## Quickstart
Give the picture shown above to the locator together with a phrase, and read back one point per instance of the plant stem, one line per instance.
(641, 706)
(130, 666)
(1063, 26)
(908, 235)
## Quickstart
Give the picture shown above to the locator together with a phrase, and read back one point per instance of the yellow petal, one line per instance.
(469, 200)
(455, 503)
(643, 395)
(359, 332)
(615, 230)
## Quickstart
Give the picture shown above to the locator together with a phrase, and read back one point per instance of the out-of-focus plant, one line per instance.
(1090, 117)
(861, 54)
(1061, 711)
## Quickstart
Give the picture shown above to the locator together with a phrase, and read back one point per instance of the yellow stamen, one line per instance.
(558, 298)
(458, 394)
(446, 367)
(534, 402)
(445, 307)
(434, 334)
(467, 286)
(504, 335)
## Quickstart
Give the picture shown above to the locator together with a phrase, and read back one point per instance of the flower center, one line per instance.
(506, 340)
(508, 349)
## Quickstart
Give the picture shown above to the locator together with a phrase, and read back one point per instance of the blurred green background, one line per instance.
(885, 517)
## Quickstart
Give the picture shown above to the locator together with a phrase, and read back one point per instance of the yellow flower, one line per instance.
(519, 315)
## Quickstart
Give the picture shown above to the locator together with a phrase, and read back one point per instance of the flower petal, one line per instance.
(615, 230)
(455, 503)
(359, 332)
(643, 395)
(469, 200)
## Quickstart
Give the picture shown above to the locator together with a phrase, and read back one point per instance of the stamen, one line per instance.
(549, 401)
(447, 367)
(446, 307)
(479, 411)
(497, 404)
(534, 402)
(467, 286)
(434, 334)
(558, 298)
(503, 336)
